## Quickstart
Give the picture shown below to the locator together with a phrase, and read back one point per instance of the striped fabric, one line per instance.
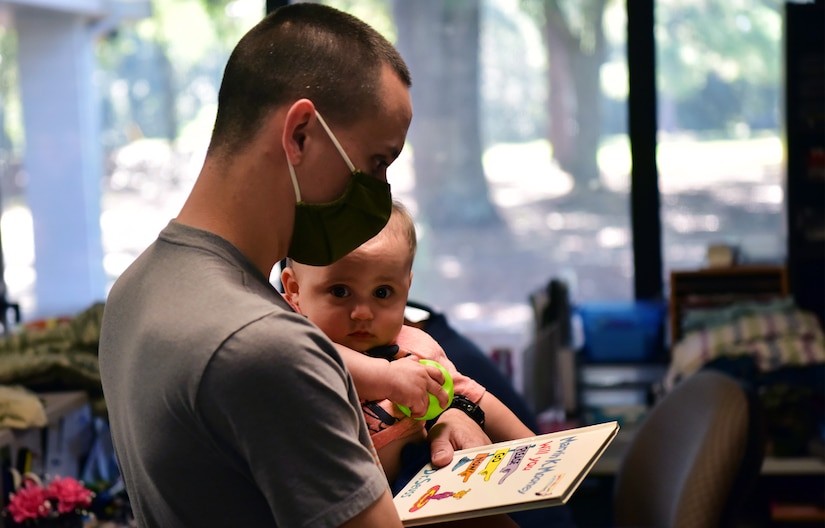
(783, 337)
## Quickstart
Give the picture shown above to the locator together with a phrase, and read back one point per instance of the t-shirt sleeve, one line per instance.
(279, 398)
(422, 345)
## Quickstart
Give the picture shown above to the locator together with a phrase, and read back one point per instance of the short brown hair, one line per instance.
(302, 50)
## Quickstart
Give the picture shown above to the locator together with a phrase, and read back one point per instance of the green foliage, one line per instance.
(576, 19)
(160, 72)
(11, 119)
(191, 30)
(718, 63)
(734, 41)
(513, 82)
(377, 13)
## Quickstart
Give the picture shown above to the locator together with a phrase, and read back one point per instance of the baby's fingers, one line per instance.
(435, 388)
(440, 384)
(417, 407)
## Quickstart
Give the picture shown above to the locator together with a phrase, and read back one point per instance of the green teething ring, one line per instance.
(434, 409)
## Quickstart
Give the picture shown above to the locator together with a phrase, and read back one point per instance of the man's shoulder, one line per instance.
(280, 334)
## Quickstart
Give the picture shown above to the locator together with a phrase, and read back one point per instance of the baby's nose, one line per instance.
(361, 312)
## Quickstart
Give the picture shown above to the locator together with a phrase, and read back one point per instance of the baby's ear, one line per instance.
(290, 284)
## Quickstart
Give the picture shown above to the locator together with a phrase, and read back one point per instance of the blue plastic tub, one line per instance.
(622, 331)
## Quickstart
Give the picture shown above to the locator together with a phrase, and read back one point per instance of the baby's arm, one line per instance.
(404, 381)
(500, 422)
(454, 429)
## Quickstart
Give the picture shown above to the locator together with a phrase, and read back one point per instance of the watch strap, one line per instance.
(469, 408)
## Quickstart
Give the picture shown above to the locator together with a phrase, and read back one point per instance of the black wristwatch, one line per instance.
(470, 409)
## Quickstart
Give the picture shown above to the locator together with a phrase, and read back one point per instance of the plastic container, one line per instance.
(621, 332)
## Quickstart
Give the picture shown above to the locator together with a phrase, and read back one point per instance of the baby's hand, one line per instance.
(412, 383)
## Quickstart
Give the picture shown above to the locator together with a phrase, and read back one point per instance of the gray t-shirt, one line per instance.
(227, 408)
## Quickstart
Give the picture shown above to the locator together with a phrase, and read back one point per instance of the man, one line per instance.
(227, 408)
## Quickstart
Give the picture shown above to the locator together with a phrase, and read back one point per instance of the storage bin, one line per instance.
(622, 331)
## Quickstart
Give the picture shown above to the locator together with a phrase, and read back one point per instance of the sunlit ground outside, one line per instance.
(712, 191)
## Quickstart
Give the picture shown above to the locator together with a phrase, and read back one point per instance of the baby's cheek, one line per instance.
(388, 331)
(331, 327)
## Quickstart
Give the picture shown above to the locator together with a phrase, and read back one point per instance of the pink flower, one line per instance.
(29, 502)
(69, 493)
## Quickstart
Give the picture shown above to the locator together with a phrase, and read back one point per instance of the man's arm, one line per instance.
(380, 514)
(453, 430)
(456, 430)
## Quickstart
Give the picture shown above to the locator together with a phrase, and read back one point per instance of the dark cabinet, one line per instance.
(805, 143)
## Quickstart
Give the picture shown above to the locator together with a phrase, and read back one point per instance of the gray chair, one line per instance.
(694, 459)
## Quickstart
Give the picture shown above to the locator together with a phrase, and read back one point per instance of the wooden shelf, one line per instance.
(793, 466)
(712, 287)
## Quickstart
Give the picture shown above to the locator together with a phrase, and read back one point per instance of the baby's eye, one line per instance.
(383, 292)
(339, 291)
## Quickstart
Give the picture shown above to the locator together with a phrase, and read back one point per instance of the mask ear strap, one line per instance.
(335, 141)
(294, 181)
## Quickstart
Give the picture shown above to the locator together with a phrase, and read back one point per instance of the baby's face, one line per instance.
(359, 300)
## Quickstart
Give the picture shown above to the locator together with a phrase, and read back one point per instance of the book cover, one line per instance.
(523, 474)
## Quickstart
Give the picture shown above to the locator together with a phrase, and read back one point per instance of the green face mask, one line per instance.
(323, 233)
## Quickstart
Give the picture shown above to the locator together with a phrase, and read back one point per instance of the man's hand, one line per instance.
(411, 384)
(454, 430)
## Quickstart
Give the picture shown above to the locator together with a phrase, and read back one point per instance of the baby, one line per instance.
(359, 302)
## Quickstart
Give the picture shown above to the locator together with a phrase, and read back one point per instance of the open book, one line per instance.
(523, 474)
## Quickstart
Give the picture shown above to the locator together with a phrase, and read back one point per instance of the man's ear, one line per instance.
(291, 286)
(299, 115)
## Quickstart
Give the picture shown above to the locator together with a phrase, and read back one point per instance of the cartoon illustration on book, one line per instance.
(496, 458)
(432, 494)
(548, 489)
(515, 460)
(520, 474)
(494, 462)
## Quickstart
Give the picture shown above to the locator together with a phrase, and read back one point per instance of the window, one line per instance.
(138, 101)
(517, 166)
(517, 163)
(720, 155)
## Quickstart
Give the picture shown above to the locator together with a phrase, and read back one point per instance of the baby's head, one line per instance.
(359, 301)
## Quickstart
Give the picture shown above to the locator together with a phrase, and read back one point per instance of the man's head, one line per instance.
(302, 51)
(310, 97)
(359, 300)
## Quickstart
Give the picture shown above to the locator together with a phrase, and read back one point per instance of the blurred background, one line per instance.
(518, 162)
